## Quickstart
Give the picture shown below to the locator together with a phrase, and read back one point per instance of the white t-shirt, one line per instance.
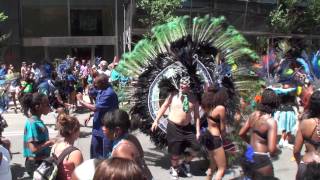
(5, 172)
(86, 170)
(106, 72)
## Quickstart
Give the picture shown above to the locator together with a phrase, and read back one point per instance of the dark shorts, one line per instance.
(259, 161)
(211, 142)
(181, 137)
(301, 171)
(31, 166)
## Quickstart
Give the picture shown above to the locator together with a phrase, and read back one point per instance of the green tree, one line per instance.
(3, 36)
(158, 11)
(296, 16)
(3, 17)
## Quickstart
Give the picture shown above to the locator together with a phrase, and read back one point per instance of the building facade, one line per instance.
(46, 30)
(50, 29)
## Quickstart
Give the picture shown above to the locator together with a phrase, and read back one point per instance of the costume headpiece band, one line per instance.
(185, 80)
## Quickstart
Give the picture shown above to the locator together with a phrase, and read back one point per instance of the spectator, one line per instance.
(116, 126)
(11, 69)
(3, 71)
(312, 171)
(14, 87)
(36, 146)
(69, 129)
(27, 85)
(103, 68)
(71, 91)
(5, 172)
(36, 71)
(84, 72)
(23, 70)
(86, 170)
(118, 169)
(106, 100)
(77, 66)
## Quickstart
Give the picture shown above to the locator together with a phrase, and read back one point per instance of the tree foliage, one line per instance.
(3, 17)
(296, 16)
(158, 11)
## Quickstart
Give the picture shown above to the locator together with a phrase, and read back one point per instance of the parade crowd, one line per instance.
(116, 154)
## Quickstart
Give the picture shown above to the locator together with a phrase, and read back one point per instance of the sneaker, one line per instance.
(174, 173)
(280, 144)
(185, 167)
(287, 145)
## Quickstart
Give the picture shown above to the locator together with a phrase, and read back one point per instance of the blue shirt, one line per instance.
(46, 88)
(35, 131)
(3, 72)
(106, 100)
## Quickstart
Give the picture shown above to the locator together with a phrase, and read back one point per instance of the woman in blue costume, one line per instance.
(286, 114)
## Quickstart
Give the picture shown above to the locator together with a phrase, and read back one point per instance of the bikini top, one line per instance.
(214, 119)
(262, 135)
(315, 143)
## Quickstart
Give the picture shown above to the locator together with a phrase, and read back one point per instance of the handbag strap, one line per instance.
(66, 152)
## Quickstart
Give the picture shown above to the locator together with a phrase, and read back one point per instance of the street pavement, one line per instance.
(157, 160)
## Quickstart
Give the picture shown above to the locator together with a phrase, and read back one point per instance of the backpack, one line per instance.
(48, 169)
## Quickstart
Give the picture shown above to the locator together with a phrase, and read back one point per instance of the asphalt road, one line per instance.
(157, 160)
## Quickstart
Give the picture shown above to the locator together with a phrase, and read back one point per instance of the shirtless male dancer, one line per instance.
(180, 132)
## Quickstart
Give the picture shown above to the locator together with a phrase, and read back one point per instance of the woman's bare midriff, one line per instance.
(213, 128)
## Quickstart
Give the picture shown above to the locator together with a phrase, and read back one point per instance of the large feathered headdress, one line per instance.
(208, 50)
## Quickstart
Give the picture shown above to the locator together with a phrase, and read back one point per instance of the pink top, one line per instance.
(65, 170)
(84, 71)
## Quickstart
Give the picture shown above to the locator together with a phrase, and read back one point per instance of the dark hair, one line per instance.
(30, 101)
(312, 172)
(67, 125)
(103, 78)
(269, 101)
(118, 169)
(215, 96)
(314, 104)
(117, 118)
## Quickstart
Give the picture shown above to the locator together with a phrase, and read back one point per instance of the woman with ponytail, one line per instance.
(69, 129)
(263, 138)
(36, 143)
(212, 102)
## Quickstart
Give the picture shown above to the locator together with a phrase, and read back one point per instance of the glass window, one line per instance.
(44, 18)
(86, 22)
(98, 17)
